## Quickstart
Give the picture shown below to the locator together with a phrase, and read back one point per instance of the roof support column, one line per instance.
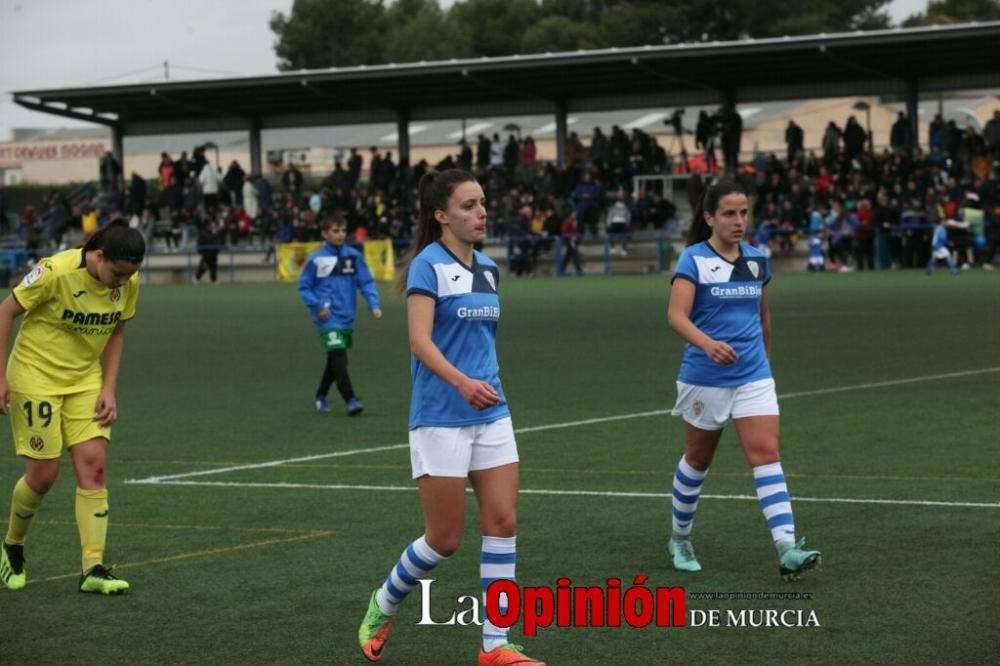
(403, 135)
(118, 145)
(912, 98)
(256, 166)
(561, 133)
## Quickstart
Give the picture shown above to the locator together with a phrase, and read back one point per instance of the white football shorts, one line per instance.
(456, 451)
(713, 408)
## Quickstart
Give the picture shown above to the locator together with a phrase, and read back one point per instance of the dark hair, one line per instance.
(434, 191)
(332, 221)
(118, 242)
(709, 203)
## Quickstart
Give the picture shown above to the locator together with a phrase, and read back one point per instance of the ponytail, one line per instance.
(433, 193)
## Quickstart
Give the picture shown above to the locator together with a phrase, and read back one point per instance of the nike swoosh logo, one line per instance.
(101, 515)
(80, 293)
(715, 269)
(30, 515)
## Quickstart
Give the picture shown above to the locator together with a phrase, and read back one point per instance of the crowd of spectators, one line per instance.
(847, 196)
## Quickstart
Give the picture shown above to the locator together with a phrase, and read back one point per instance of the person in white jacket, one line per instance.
(250, 204)
(211, 182)
(619, 219)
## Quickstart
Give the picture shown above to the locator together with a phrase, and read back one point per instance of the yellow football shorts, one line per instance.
(41, 424)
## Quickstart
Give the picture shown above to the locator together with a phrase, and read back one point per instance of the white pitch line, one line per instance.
(272, 463)
(587, 493)
(555, 426)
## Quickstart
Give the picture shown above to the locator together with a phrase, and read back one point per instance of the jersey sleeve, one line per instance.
(767, 272)
(686, 269)
(132, 299)
(421, 278)
(307, 281)
(37, 287)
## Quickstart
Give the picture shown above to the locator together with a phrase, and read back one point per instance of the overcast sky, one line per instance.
(72, 43)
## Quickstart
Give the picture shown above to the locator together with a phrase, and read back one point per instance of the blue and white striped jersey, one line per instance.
(727, 308)
(466, 313)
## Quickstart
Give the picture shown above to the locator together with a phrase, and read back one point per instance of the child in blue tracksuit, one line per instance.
(330, 279)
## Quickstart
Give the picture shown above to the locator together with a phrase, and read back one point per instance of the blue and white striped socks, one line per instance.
(416, 562)
(687, 487)
(772, 494)
(496, 562)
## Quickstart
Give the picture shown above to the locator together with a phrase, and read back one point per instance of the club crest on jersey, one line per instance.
(36, 443)
(116, 295)
(698, 408)
(489, 278)
(754, 268)
(30, 278)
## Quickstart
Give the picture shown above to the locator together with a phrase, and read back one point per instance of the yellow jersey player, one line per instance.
(59, 387)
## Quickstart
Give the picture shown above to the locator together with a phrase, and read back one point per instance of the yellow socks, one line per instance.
(92, 521)
(24, 504)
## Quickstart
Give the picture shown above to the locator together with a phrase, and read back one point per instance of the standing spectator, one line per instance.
(795, 140)
(575, 152)
(587, 199)
(619, 219)
(511, 155)
(901, 135)
(935, 133)
(991, 135)
(570, 234)
(483, 152)
(953, 144)
(234, 183)
(250, 201)
(598, 153)
(464, 155)
(211, 240)
(136, 193)
(831, 143)
(704, 138)
(292, 179)
(841, 225)
(111, 173)
(182, 169)
(864, 236)
(732, 137)
(265, 194)
(211, 184)
(166, 170)
(496, 152)
(854, 138)
(353, 170)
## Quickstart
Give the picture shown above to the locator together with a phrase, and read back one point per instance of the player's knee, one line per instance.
(699, 459)
(504, 525)
(42, 478)
(763, 452)
(91, 474)
(445, 543)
